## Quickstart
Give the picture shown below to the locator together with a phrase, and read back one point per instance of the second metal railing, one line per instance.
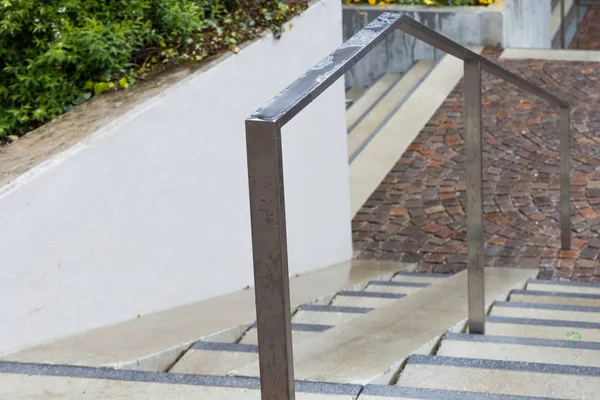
(267, 202)
(563, 28)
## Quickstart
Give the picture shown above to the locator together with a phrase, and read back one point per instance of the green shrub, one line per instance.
(55, 54)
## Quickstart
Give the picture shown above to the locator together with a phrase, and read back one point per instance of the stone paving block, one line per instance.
(520, 180)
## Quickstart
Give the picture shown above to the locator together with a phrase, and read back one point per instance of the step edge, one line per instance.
(335, 309)
(564, 283)
(399, 284)
(423, 274)
(516, 340)
(168, 378)
(379, 295)
(426, 394)
(542, 322)
(520, 366)
(370, 107)
(556, 294)
(546, 306)
(394, 110)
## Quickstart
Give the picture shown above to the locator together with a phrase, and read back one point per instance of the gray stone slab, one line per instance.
(542, 306)
(232, 347)
(335, 309)
(375, 392)
(544, 322)
(370, 302)
(547, 311)
(502, 377)
(542, 331)
(331, 318)
(565, 287)
(574, 299)
(405, 290)
(37, 381)
(521, 349)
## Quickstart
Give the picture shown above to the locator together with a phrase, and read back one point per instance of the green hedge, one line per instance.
(56, 54)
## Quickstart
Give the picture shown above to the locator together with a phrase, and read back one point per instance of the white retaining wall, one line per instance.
(154, 213)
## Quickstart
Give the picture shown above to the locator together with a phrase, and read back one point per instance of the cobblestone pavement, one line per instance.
(589, 30)
(417, 214)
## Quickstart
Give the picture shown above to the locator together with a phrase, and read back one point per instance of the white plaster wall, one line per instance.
(154, 214)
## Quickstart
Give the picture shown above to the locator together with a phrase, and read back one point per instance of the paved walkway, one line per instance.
(417, 214)
(589, 31)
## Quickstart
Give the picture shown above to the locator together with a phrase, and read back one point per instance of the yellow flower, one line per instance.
(430, 2)
(382, 3)
(372, 2)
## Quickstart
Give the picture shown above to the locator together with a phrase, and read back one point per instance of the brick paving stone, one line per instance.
(417, 214)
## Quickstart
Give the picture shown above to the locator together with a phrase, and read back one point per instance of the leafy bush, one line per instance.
(55, 54)
(426, 2)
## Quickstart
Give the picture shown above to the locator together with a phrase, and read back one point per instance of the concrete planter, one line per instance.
(508, 24)
(138, 201)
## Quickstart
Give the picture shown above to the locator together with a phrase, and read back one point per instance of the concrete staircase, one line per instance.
(349, 345)
(369, 109)
(542, 343)
(398, 336)
(310, 320)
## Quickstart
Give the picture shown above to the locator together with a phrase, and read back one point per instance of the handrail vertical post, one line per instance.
(577, 17)
(269, 247)
(565, 178)
(474, 179)
(563, 39)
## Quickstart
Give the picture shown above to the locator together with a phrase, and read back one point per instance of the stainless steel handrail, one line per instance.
(267, 203)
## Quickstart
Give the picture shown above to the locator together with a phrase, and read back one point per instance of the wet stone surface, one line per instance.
(417, 214)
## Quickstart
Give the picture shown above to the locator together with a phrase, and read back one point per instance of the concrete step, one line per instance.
(395, 287)
(310, 320)
(543, 328)
(354, 94)
(379, 156)
(206, 358)
(508, 348)
(369, 98)
(371, 348)
(419, 277)
(352, 298)
(383, 392)
(364, 128)
(564, 287)
(546, 311)
(299, 332)
(324, 315)
(572, 299)
(154, 342)
(40, 382)
(501, 377)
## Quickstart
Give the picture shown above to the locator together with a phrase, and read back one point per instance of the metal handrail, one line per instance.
(267, 203)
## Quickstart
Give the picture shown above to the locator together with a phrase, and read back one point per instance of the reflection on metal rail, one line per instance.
(267, 203)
